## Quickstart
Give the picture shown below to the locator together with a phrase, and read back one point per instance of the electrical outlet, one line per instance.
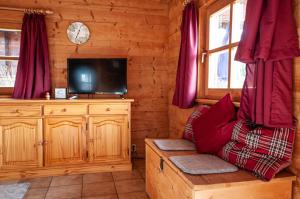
(133, 148)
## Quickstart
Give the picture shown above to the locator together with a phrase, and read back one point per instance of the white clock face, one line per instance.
(78, 33)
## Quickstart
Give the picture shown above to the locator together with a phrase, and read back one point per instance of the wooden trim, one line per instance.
(9, 58)
(6, 91)
(63, 170)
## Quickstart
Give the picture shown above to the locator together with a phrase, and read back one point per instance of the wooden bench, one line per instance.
(165, 181)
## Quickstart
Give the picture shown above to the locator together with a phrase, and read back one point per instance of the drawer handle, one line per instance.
(108, 109)
(64, 110)
(17, 111)
(161, 164)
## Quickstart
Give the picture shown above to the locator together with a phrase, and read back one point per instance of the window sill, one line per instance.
(212, 102)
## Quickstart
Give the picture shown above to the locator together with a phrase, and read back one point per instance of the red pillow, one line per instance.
(188, 132)
(214, 128)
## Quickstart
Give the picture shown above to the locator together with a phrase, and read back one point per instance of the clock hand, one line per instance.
(78, 32)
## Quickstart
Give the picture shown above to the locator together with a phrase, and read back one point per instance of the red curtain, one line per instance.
(33, 72)
(268, 45)
(186, 79)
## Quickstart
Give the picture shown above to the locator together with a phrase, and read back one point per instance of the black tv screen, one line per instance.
(90, 76)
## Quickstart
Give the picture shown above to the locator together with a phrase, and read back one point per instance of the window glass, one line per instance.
(218, 69)
(219, 28)
(8, 70)
(9, 55)
(9, 43)
(238, 72)
(238, 17)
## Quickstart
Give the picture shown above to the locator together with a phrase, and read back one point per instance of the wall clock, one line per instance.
(78, 33)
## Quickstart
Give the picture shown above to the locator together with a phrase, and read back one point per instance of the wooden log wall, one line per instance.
(178, 117)
(137, 29)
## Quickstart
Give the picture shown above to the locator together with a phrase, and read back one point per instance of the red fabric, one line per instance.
(188, 132)
(263, 151)
(186, 79)
(212, 130)
(268, 44)
(33, 73)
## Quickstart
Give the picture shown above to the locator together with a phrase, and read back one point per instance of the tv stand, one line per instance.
(62, 137)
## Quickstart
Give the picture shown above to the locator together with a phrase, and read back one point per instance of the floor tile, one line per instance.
(127, 186)
(36, 193)
(103, 197)
(39, 182)
(134, 195)
(99, 189)
(126, 175)
(66, 180)
(97, 177)
(64, 192)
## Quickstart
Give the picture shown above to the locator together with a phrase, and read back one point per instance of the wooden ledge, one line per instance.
(212, 102)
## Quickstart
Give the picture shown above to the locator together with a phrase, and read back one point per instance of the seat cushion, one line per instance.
(202, 164)
(174, 145)
(188, 132)
(214, 128)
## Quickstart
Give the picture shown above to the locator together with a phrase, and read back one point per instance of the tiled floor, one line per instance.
(115, 185)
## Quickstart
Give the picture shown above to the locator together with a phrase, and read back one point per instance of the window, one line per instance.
(224, 25)
(9, 56)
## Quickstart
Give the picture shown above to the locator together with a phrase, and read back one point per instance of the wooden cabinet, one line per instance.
(20, 143)
(65, 141)
(108, 138)
(61, 137)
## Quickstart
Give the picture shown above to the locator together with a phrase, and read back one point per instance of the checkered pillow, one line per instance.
(188, 132)
(264, 151)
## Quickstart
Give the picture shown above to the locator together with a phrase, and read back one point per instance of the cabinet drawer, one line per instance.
(15, 111)
(65, 109)
(95, 109)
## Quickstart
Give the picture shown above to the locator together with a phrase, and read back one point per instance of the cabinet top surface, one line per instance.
(63, 101)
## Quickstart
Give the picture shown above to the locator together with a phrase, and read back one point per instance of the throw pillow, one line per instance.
(214, 128)
(188, 132)
(263, 151)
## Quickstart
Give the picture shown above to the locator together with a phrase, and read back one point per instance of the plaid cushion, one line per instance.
(188, 132)
(264, 151)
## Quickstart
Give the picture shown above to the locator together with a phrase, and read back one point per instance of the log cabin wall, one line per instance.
(178, 117)
(137, 29)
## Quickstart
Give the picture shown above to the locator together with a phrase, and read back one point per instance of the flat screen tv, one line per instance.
(97, 76)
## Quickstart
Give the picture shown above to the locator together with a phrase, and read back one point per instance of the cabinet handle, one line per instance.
(40, 143)
(108, 109)
(161, 164)
(64, 110)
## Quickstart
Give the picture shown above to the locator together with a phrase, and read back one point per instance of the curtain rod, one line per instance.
(49, 12)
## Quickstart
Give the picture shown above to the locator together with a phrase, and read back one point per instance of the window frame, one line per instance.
(8, 91)
(204, 92)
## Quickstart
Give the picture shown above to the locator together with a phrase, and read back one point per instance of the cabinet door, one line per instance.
(108, 138)
(65, 141)
(21, 143)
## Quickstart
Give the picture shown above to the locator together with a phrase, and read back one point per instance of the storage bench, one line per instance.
(165, 181)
